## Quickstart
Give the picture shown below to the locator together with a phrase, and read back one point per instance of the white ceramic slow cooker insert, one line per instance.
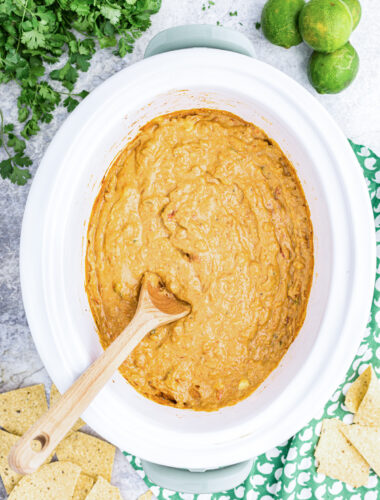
(54, 240)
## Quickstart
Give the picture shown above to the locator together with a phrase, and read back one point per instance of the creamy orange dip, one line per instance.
(212, 205)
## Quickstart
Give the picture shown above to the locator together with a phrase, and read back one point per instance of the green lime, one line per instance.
(356, 11)
(325, 25)
(279, 21)
(332, 73)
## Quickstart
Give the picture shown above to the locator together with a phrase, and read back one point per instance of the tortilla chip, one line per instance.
(20, 409)
(357, 391)
(146, 496)
(367, 441)
(338, 458)
(368, 412)
(9, 477)
(55, 481)
(363, 398)
(55, 395)
(94, 456)
(83, 487)
(102, 490)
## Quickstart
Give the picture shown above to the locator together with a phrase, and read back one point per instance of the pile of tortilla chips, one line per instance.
(84, 465)
(347, 452)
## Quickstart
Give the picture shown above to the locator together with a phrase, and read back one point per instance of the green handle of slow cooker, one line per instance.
(199, 35)
(198, 481)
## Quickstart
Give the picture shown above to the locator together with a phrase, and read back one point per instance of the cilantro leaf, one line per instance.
(124, 47)
(22, 161)
(23, 113)
(83, 94)
(33, 39)
(68, 75)
(9, 128)
(6, 168)
(81, 7)
(81, 61)
(111, 13)
(70, 103)
(48, 93)
(31, 128)
(17, 144)
(9, 168)
(19, 176)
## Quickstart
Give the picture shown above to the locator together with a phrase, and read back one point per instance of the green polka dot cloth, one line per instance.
(288, 472)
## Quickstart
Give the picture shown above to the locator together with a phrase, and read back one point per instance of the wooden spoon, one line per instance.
(156, 307)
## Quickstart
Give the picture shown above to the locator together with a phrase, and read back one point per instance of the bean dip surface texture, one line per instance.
(211, 204)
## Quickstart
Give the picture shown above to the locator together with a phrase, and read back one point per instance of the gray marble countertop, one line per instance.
(356, 110)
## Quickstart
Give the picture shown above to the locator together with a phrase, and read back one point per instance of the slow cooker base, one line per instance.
(198, 480)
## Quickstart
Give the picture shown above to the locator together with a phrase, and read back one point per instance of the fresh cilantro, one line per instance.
(36, 33)
(257, 25)
(235, 13)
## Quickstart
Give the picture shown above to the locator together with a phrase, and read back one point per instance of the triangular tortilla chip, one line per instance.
(55, 395)
(19, 409)
(356, 392)
(55, 481)
(102, 490)
(93, 455)
(9, 477)
(146, 496)
(363, 398)
(83, 487)
(367, 441)
(338, 458)
(368, 412)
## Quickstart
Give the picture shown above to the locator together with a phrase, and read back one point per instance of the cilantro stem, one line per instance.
(24, 4)
(22, 20)
(68, 93)
(88, 35)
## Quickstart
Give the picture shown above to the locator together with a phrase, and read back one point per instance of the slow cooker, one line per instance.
(184, 68)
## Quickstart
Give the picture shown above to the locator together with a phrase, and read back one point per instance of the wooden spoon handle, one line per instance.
(53, 426)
